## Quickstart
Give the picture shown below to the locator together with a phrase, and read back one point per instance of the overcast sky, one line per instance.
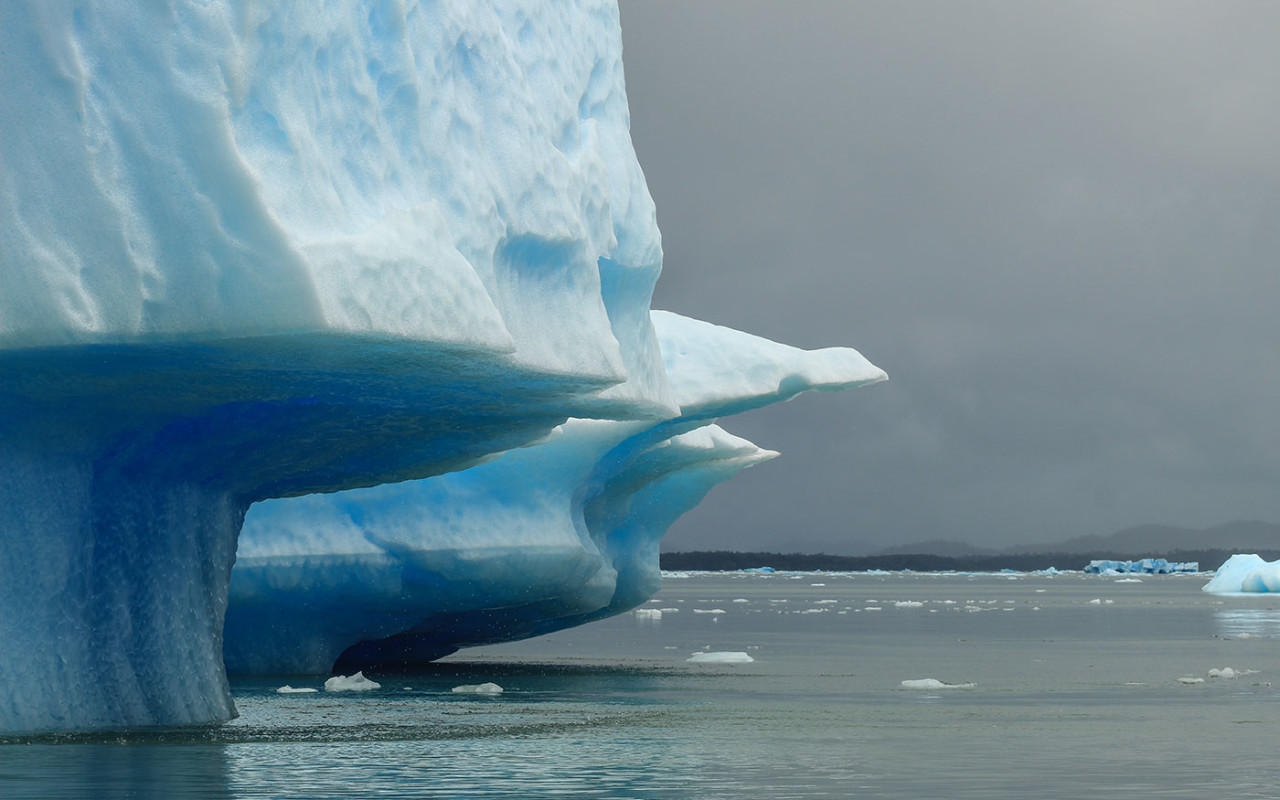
(1055, 225)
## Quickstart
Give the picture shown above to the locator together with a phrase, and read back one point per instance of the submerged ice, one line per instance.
(400, 255)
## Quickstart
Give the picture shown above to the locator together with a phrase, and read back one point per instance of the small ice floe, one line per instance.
(908, 604)
(725, 657)
(287, 689)
(478, 688)
(741, 600)
(814, 611)
(708, 611)
(825, 602)
(1225, 672)
(873, 608)
(648, 613)
(1098, 601)
(1128, 580)
(669, 610)
(817, 584)
(931, 684)
(355, 683)
(1190, 680)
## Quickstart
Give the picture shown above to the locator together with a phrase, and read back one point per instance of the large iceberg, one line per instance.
(253, 251)
(1245, 573)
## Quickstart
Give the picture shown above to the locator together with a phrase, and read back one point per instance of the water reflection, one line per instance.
(112, 770)
(1238, 623)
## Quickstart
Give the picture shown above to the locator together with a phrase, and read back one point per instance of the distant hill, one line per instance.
(1209, 546)
(1240, 536)
(937, 547)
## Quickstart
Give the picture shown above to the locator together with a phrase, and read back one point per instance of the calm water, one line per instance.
(1071, 698)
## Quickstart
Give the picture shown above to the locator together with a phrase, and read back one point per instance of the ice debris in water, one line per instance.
(478, 688)
(355, 683)
(287, 689)
(723, 657)
(933, 683)
(648, 613)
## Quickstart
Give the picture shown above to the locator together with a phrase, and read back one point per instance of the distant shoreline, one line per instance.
(730, 560)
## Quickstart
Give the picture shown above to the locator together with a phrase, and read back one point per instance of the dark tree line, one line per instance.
(728, 560)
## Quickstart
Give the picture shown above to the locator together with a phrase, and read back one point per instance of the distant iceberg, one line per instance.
(1146, 566)
(252, 251)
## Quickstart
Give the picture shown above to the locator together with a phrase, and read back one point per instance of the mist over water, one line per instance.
(1080, 684)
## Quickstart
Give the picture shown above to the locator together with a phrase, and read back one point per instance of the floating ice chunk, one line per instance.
(741, 600)
(932, 684)
(1129, 580)
(725, 657)
(1189, 680)
(355, 683)
(648, 613)
(908, 604)
(1245, 572)
(478, 688)
(1225, 672)
(287, 689)
(708, 611)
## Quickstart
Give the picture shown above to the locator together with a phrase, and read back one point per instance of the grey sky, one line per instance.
(1056, 226)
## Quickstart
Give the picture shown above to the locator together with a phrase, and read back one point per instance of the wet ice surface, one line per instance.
(1069, 698)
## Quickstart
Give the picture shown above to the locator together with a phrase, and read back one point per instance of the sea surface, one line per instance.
(1062, 686)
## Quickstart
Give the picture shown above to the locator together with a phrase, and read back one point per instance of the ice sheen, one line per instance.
(254, 251)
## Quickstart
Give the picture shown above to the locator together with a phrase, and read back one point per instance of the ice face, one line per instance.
(253, 251)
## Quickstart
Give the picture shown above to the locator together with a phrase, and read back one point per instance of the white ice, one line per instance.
(1245, 573)
(721, 657)
(353, 683)
(931, 684)
(478, 688)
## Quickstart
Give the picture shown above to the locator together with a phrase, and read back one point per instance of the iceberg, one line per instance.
(1245, 573)
(386, 266)
(1145, 566)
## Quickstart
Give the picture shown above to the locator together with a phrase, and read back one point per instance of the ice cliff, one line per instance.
(253, 251)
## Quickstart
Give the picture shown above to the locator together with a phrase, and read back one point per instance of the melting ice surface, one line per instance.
(267, 251)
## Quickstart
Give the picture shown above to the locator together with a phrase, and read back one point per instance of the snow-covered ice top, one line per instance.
(448, 172)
